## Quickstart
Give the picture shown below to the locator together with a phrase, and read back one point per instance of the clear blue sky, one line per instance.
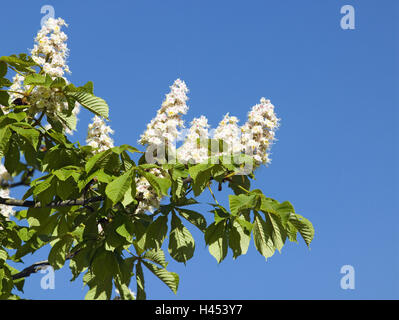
(335, 90)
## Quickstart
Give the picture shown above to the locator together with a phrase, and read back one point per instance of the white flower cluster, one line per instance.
(5, 192)
(17, 86)
(254, 138)
(229, 132)
(195, 147)
(258, 132)
(163, 129)
(50, 50)
(98, 135)
(149, 199)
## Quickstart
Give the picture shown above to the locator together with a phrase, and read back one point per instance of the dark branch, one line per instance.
(34, 268)
(53, 204)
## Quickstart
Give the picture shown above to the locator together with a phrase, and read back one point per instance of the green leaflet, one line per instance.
(157, 256)
(59, 251)
(94, 104)
(193, 217)
(156, 233)
(181, 243)
(239, 239)
(262, 237)
(141, 295)
(217, 240)
(242, 202)
(38, 80)
(171, 279)
(304, 226)
(116, 190)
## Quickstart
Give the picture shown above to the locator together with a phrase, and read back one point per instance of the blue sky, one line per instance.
(335, 91)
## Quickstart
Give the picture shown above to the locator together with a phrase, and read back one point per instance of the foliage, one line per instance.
(82, 203)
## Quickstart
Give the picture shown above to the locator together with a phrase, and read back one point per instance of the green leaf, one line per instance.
(140, 282)
(156, 233)
(12, 155)
(242, 202)
(31, 135)
(193, 217)
(4, 97)
(5, 82)
(217, 239)
(100, 289)
(58, 82)
(181, 243)
(3, 69)
(5, 135)
(105, 265)
(116, 190)
(59, 251)
(304, 226)
(69, 120)
(3, 254)
(94, 104)
(38, 79)
(103, 160)
(202, 173)
(126, 230)
(22, 62)
(161, 185)
(239, 180)
(157, 256)
(262, 237)
(239, 239)
(171, 279)
(277, 230)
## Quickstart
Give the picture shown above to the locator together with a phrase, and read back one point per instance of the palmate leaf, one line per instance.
(94, 104)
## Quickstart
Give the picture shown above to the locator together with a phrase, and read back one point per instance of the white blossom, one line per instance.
(147, 195)
(229, 132)
(50, 50)
(195, 147)
(258, 132)
(163, 130)
(98, 135)
(5, 192)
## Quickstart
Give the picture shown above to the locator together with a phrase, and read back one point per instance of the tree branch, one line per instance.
(53, 204)
(34, 268)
